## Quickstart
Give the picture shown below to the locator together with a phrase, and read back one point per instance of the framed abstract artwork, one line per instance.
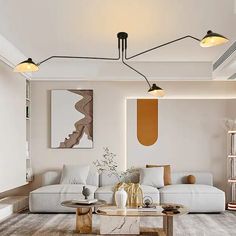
(72, 118)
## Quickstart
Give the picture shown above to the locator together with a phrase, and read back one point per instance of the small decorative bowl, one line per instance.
(173, 209)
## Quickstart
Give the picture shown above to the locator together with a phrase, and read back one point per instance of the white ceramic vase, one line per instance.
(121, 198)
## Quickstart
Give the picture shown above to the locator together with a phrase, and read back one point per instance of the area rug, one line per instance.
(27, 224)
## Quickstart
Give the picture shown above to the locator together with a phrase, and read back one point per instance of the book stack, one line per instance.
(232, 206)
(84, 201)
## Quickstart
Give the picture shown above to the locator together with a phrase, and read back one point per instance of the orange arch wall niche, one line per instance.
(147, 121)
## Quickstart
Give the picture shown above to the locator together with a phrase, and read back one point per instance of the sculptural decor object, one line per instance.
(86, 192)
(147, 202)
(72, 118)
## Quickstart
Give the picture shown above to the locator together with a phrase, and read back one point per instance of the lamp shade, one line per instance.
(212, 39)
(26, 66)
(156, 91)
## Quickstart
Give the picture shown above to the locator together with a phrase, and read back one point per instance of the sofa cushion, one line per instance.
(106, 179)
(48, 198)
(167, 172)
(54, 176)
(107, 193)
(197, 197)
(152, 176)
(74, 174)
(201, 177)
(64, 189)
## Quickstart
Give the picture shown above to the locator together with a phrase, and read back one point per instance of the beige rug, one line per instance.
(26, 224)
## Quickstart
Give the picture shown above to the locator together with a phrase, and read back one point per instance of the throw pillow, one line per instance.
(152, 176)
(74, 174)
(191, 179)
(167, 172)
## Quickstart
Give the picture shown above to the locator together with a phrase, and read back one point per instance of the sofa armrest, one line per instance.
(51, 177)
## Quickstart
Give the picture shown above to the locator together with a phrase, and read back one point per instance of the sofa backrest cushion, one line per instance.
(201, 177)
(51, 177)
(105, 179)
(152, 176)
(54, 176)
(74, 174)
(176, 177)
(93, 177)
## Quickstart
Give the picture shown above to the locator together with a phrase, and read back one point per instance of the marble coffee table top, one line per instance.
(130, 211)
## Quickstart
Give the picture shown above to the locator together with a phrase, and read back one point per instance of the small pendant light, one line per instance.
(26, 66)
(212, 39)
(156, 91)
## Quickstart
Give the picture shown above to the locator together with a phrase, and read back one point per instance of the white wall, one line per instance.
(191, 136)
(12, 129)
(109, 117)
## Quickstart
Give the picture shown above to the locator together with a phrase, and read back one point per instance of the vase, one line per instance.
(121, 198)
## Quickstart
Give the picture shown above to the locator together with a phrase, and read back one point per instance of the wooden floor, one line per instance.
(26, 224)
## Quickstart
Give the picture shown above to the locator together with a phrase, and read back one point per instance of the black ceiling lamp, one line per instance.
(211, 39)
(26, 66)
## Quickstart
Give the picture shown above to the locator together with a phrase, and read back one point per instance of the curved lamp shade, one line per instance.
(156, 91)
(26, 66)
(212, 39)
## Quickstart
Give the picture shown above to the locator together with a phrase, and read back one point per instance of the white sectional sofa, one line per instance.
(198, 197)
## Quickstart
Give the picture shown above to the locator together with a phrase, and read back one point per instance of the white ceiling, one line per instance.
(88, 28)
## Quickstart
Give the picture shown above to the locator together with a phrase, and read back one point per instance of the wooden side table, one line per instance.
(83, 215)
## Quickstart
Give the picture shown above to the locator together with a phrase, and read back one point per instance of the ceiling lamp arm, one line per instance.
(162, 45)
(122, 59)
(88, 58)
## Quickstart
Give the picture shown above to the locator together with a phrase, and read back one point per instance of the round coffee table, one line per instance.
(83, 214)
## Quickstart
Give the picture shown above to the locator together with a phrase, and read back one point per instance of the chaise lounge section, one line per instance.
(199, 197)
(48, 198)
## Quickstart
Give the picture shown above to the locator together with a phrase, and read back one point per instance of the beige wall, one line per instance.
(109, 117)
(191, 136)
(13, 129)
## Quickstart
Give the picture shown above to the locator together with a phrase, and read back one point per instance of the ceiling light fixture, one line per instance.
(26, 66)
(211, 39)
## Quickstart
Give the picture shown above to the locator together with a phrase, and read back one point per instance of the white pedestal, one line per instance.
(10, 205)
(5, 211)
(119, 225)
